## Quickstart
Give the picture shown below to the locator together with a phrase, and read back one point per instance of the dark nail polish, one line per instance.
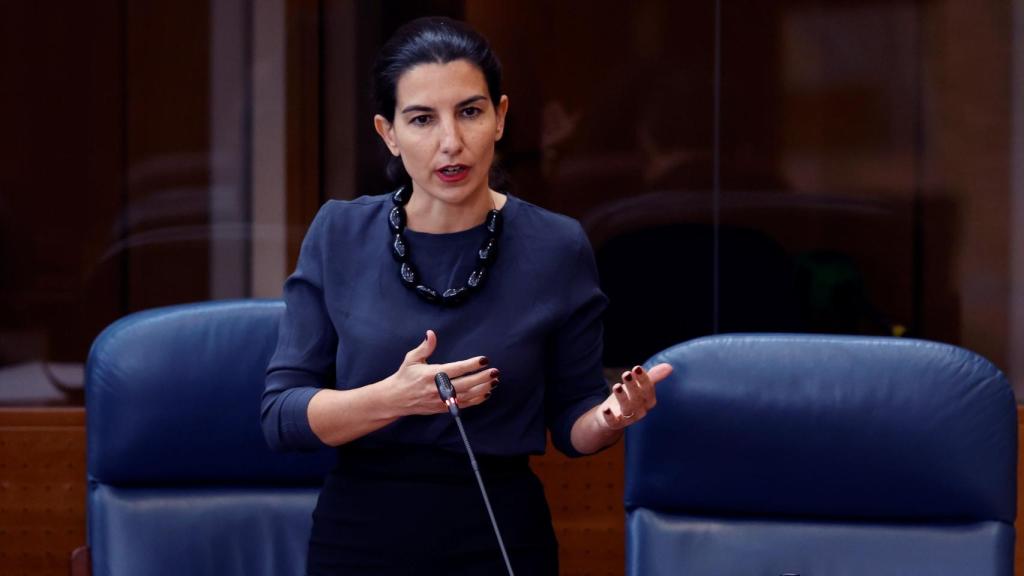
(494, 373)
(619, 390)
(494, 384)
(488, 395)
(484, 361)
(638, 370)
(629, 377)
(608, 411)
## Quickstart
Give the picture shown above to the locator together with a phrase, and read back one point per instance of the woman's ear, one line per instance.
(386, 131)
(500, 112)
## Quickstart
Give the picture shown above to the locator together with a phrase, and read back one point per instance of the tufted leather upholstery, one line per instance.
(823, 455)
(180, 478)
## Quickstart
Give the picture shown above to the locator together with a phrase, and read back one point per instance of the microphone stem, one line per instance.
(487, 501)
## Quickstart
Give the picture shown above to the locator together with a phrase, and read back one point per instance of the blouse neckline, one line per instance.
(470, 234)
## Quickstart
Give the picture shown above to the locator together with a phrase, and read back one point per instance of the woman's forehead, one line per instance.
(434, 85)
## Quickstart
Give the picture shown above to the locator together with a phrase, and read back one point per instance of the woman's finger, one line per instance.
(481, 389)
(422, 351)
(462, 367)
(464, 383)
(479, 393)
(646, 385)
(634, 388)
(659, 372)
(628, 406)
(610, 419)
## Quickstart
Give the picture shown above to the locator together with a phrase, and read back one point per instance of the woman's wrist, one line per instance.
(380, 398)
(590, 434)
(340, 416)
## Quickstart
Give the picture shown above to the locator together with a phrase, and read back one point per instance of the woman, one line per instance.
(444, 275)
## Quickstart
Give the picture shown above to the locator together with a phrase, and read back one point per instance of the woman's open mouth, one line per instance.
(453, 172)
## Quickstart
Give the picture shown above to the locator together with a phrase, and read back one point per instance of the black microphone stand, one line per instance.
(447, 392)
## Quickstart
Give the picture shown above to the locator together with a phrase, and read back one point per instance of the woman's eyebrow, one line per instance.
(416, 108)
(470, 100)
(421, 108)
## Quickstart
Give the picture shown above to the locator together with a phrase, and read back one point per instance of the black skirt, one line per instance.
(414, 510)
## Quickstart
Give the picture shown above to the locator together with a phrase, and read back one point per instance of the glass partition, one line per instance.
(813, 166)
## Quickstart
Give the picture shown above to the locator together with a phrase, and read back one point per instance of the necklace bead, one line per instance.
(476, 278)
(410, 277)
(408, 274)
(428, 293)
(488, 250)
(493, 222)
(399, 249)
(396, 219)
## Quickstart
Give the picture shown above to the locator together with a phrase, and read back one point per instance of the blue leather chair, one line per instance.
(180, 478)
(823, 456)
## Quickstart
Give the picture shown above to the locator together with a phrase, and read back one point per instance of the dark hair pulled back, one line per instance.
(431, 40)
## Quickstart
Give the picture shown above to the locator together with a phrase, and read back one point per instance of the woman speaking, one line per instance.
(444, 274)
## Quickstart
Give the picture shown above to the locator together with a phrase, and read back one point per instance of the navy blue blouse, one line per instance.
(349, 322)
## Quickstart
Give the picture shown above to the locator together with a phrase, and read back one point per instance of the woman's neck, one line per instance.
(426, 213)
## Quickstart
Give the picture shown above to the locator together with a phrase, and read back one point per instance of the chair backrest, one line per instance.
(823, 455)
(180, 478)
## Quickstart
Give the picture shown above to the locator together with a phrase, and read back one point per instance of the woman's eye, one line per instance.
(422, 120)
(471, 112)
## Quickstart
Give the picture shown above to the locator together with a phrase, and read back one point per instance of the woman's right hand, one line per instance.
(412, 389)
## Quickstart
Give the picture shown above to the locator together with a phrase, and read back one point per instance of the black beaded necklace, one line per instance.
(411, 277)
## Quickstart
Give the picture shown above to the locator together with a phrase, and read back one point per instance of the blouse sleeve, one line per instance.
(575, 377)
(305, 354)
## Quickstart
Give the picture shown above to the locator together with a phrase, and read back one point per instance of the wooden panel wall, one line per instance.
(585, 496)
(42, 489)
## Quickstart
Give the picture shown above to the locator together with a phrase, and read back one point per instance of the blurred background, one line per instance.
(831, 166)
(819, 166)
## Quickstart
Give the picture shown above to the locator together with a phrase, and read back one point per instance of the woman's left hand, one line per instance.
(633, 397)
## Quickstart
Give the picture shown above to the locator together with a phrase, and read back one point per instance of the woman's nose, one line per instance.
(451, 137)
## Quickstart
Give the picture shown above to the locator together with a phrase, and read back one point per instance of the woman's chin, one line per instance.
(456, 193)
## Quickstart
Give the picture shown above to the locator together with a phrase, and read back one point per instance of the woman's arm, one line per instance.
(628, 403)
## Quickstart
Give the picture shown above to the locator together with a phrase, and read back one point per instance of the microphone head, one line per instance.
(447, 392)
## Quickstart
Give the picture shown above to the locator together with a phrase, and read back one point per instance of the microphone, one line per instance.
(447, 392)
